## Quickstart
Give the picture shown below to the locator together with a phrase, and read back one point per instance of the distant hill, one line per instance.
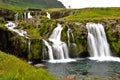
(34, 3)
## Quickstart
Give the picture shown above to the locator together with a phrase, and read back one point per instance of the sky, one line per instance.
(90, 3)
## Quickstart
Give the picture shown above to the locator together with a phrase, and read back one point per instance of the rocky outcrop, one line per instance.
(12, 43)
(62, 13)
(6, 14)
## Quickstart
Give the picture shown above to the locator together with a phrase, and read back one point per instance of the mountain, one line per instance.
(34, 3)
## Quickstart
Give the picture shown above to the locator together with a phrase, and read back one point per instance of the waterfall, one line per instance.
(24, 16)
(48, 15)
(29, 45)
(71, 43)
(97, 43)
(16, 16)
(11, 26)
(70, 36)
(57, 50)
(59, 46)
(29, 15)
(50, 52)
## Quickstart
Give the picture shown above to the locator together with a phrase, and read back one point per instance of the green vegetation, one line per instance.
(12, 68)
(91, 14)
(39, 27)
(10, 7)
(113, 35)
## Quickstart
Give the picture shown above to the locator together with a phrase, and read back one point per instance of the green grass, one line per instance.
(94, 14)
(12, 68)
(54, 9)
(11, 7)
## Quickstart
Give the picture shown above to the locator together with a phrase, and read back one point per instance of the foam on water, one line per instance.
(61, 60)
(11, 26)
(108, 58)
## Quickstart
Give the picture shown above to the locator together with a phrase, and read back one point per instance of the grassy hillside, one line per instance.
(16, 4)
(94, 14)
(12, 68)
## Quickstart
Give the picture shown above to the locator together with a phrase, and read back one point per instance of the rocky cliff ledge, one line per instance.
(40, 28)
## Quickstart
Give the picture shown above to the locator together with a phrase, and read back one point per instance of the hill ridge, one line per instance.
(34, 3)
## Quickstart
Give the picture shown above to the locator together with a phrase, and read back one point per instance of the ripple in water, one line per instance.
(85, 69)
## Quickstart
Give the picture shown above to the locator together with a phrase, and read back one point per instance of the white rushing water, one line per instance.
(16, 16)
(29, 15)
(24, 17)
(50, 52)
(58, 50)
(97, 42)
(29, 50)
(48, 15)
(11, 26)
(29, 45)
(70, 36)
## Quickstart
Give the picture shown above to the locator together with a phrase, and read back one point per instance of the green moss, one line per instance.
(113, 39)
(36, 49)
(2, 20)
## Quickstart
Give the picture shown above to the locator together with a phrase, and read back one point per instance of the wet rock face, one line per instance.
(13, 44)
(61, 13)
(7, 14)
(117, 31)
(82, 28)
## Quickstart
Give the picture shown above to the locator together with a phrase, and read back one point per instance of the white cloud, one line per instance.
(91, 3)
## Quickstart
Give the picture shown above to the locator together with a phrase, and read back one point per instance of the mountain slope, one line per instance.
(34, 3)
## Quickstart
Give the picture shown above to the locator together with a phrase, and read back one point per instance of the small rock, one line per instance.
(71, 77)
(39, 66)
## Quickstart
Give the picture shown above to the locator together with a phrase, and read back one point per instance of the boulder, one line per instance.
(71, 77)
(39, 65)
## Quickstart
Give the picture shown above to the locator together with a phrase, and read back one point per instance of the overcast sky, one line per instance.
(91, 3)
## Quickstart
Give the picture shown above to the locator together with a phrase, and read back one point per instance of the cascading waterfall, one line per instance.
(71, 43)
(70, 36)
(48, 15)
(16, 16)
(58, 50)
(11, 26)
(24, 16)
(29, 15)
(97, 42)
(59, 46)
(29, 45)
(50, 52)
